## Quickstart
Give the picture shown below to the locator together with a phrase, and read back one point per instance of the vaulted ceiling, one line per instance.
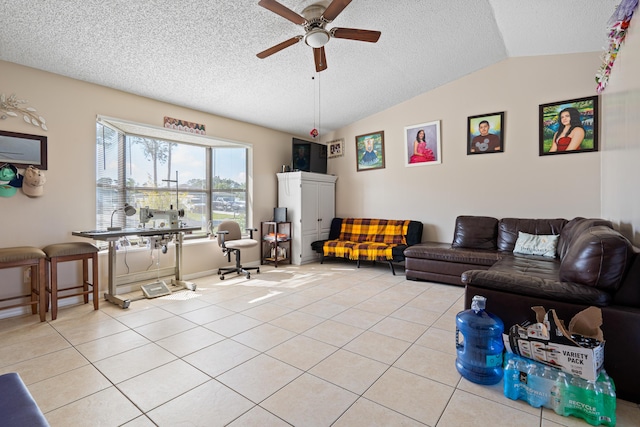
(201, 54)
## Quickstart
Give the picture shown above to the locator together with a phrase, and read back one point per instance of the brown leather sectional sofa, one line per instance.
(594, 266)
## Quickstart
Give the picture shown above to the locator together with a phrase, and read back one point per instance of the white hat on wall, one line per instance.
(33, 182)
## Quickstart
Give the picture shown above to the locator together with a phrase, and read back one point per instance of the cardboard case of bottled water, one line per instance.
(541, 385)
(577, 349)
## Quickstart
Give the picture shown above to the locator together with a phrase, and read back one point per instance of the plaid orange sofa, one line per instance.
(369, 239)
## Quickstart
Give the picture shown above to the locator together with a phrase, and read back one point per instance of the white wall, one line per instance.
(70, 108)
(621, 139)
(517, 182)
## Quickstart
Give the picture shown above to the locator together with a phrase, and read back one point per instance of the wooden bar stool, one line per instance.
(34, 258)
(74, 251)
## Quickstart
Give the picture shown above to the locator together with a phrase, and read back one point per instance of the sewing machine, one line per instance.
(170, 217)
(113, 236)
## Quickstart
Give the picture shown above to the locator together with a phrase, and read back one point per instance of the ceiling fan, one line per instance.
(314, 19)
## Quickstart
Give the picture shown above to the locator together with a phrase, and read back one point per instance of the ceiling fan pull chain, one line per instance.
(319, 106)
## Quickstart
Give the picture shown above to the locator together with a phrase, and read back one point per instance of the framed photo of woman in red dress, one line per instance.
(569, 126)
(422, 144)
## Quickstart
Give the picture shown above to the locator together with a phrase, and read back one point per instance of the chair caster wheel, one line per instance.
(221, 277)
(248, 276)
(258, 271)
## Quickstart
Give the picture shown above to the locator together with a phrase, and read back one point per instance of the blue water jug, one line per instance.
(480, 352)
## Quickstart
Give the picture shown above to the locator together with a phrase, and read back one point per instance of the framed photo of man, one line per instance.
(569, 126)
(485, 133)
(422, 144)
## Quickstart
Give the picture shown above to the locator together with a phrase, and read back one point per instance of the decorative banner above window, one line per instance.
(618, 24)
(10, 107)
(183, 125)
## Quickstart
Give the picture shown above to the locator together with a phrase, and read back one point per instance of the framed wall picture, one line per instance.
(335, 148)
(485, 133)
(370, 151)
(569, 126)
(422, 144)
(184, 126)
(23, 150)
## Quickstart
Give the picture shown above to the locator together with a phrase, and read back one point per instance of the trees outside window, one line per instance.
(142, 171)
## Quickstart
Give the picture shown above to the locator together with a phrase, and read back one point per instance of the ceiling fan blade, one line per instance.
(283, 11)
(279, 47)
(334, 9)
(320, 59)
(355, 34)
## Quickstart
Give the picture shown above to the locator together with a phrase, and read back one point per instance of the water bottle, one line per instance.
(511, 380)
(479, 355)
(593, 405)
(608, 399)
(549, 374)
(558, 393)
(534, 386)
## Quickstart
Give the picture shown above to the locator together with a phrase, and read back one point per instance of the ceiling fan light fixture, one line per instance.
(317, 37)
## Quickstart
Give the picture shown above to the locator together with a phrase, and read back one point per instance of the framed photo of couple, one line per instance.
(569, 126)
(485, 133)
(422, 144)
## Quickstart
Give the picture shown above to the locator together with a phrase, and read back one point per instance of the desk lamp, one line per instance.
(128, 211)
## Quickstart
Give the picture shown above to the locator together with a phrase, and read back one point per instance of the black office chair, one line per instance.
(230, 240)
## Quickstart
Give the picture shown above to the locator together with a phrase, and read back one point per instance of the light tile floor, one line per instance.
(315, 345)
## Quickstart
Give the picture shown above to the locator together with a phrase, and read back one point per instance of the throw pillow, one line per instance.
(476, 232)
(531, 244)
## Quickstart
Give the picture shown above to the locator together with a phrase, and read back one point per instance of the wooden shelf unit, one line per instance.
(276, 236)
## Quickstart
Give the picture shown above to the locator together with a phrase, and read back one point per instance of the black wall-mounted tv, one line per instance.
(309, 156)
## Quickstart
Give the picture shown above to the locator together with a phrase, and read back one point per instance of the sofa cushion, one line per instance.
(508, 229)
(475, 232)
(533, 286)
(374, 230)
(574, 228)
(338, 248)
(414, 232)
(598, 257)
(336, 226)
(372, 251)
(444, 252)
(532, 265)
(532, 244)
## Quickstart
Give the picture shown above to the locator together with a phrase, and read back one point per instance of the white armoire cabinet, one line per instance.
(310, 199)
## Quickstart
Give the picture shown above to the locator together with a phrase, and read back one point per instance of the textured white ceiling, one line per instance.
(202, 54)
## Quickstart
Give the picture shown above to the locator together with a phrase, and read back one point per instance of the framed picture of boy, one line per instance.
(422, 144)
(485, 133)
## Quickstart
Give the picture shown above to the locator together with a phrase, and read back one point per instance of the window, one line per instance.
(205, 179)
